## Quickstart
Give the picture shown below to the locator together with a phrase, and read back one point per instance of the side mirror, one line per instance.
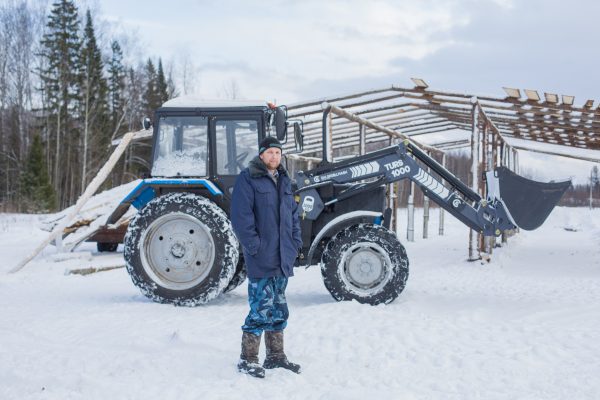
(299, 136)
(146, 123)
(281, 123)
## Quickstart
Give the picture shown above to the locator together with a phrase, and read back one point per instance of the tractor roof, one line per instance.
(198, 102)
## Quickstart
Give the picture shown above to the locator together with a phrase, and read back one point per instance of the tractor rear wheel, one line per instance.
(239, 276)
(366, 263)
(180, 249)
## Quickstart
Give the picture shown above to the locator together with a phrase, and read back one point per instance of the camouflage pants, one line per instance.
(268, 306)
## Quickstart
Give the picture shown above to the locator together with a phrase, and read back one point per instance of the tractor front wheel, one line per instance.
(180, 249)
(366, 263)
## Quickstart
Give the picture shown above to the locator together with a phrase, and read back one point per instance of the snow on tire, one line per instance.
(180, 249)
(366, 263)
(239, 277)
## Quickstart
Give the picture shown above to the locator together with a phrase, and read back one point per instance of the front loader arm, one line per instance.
(395, 163)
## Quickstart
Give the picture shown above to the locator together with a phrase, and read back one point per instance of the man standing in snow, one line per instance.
(264, 216)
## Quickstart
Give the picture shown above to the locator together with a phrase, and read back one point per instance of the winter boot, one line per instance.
(248, 363)
(275, 356)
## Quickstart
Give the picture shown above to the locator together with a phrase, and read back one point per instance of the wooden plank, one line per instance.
(351, 141)
(555, 153)
(107, 234)
(385, 117)
(92, 270)
(391, 123)
(89, 191)
(372, 125)
(339, 98)
(538, 121)
(348, 105)
(449, 97)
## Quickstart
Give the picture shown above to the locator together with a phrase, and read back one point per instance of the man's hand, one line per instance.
(299, 258)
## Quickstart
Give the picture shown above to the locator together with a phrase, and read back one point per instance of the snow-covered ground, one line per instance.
(525, 326)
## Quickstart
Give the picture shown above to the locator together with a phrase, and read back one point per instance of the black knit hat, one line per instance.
(267, 143)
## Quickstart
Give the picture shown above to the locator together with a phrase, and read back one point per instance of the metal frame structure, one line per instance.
(419, 111)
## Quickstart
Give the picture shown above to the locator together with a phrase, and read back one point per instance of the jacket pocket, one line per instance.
(265, 195)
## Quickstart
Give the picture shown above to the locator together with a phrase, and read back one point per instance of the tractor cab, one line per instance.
(214, 141)
(200, 147)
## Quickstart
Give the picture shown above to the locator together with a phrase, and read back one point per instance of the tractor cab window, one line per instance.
(181, 147)
(237, 144)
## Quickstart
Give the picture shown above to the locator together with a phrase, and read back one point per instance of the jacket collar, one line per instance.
(257, 168)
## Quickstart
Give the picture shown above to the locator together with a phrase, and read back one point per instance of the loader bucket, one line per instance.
(529, 202)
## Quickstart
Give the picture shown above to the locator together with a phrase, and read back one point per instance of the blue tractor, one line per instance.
(180, 247)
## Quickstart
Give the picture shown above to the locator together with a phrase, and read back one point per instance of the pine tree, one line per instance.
(37, 193)
(162, 93)
(120, 105)
(60, 89)
(151, 101)
(116, 87)
(96, 133)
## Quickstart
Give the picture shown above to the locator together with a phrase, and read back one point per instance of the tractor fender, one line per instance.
(340, 222)
(146, 191)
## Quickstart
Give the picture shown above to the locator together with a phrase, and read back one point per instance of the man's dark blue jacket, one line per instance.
(265, 220)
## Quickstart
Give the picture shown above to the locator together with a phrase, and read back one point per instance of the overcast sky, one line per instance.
(290, 51)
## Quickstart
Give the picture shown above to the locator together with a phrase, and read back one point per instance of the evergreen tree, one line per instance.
(60, 84)
(120, 104)
(140, 86)
(134, 89)
(151, 100)
(37, 193)
(116, 87)
(95, 138)
(162, 93)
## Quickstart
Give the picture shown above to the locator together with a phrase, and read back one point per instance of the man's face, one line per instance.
(271, 157)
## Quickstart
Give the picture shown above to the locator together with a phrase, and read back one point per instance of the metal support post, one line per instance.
(497, 161)
(488, 148)
(392, 197)
(392, 204)
(591, 186)
(474, 236)
(398, 197)
(425, 217)
(329, 156)
(426, 214)
(441, 224)
(362, 143)
(410, 229)
(506, 150)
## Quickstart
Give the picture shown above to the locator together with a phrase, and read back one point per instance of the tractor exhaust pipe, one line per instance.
(327, 153)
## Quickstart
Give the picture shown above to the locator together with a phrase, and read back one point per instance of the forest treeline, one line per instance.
(66, 91)
(70, 85)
